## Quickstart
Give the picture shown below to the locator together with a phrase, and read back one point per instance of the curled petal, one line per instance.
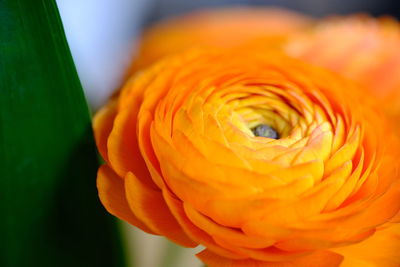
(148, 205)
(193, 231)
(112, 195)
(102, 125)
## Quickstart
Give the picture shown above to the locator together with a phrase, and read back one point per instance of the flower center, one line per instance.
(265, 130)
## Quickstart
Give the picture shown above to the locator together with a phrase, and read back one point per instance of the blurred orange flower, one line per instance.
(360, 47)
(223, 27)
(187, 157)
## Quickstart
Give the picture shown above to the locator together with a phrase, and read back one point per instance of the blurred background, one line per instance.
(101, 36)
(102, 33)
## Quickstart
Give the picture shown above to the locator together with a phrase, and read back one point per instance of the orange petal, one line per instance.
(123, 151)
(225, 234)
(317, 259)
(193, 231)
(112, 196)
(148, 205)
(382, 249)
(102, 126)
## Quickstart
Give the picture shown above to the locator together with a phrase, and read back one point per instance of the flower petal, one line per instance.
(317, 259)
(382, 249)
(193, 231)
(102, 126)
(112, 196)
(148, 205)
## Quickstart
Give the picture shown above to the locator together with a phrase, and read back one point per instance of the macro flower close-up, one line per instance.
(262, 159)
(207, 133)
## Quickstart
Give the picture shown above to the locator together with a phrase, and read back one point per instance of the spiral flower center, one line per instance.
(264, 130)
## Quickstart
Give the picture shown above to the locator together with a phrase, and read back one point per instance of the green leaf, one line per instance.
(50, 213)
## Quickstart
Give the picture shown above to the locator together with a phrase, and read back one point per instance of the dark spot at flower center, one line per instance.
(264, 130)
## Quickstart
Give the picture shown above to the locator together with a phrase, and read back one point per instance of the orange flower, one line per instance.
(360, 47)
(224, 27)
(186, 158)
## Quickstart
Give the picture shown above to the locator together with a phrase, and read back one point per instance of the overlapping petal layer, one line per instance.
(362, 48)
(180, 148)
